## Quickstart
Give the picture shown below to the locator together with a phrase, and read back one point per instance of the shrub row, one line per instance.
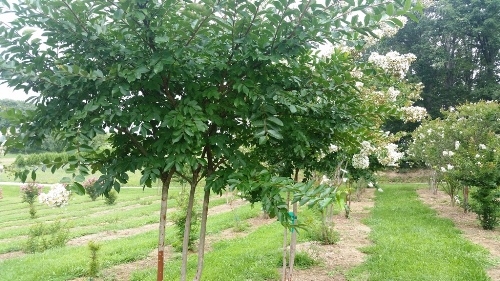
(39, 158)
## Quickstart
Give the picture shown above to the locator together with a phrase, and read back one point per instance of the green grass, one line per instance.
(84, 216)
(412, 243)
(80, 215)
(253, 257)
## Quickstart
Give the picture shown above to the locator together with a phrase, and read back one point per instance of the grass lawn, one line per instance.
(412, 243)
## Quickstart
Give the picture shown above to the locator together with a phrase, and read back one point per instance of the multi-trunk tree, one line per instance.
(176, 84)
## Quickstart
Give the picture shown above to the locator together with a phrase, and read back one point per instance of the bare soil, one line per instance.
(337, 259)
(468, 224)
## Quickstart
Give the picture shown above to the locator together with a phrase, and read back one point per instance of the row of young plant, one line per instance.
(463, 150)
(59, 194)
(36, 159)
(243, 100)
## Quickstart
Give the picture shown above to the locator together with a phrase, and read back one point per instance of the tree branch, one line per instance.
(134, 140)
(76, 17)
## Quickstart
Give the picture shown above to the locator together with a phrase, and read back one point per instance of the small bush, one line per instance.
(322, 233)
(240, 225)
(110, 199)
(94, 262)
(43, 236)
(179, 219)
(29, 192)
(302, 260)
(90, 189)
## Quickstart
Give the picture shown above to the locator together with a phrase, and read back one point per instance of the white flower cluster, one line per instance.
(393, 94)
(448, 167)
(389, 155)
(393, 62)
(385, 30)
(333, 148)
(356, 73)
(457, 145)
(448, 153)
(57, 196)
(360, 161)
(482, 146)
(413, 113)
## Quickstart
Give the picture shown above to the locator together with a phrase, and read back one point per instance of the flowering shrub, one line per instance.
(463, 148)
(30, 191)
(57, 196)
(90, 188)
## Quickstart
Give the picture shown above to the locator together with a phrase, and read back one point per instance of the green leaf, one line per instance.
(390, 9)
(65, 180)
(275, 134)
(79, 178)
(77, 188)
(407, 5)
(275, 120)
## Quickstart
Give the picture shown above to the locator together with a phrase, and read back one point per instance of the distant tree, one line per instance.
(457, 46)
(6, 104)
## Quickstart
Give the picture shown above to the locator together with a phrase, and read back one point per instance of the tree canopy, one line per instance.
(457, 45)
(183, 86)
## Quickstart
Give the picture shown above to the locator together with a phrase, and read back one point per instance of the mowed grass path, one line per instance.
(412, 243)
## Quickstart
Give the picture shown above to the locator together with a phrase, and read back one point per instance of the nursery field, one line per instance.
(48, 177)
(390, 235)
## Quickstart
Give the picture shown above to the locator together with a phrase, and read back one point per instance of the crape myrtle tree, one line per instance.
(463, 147)
(338, 134)
(173, 83)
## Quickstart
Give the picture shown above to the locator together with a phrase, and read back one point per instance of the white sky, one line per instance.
(9, 93)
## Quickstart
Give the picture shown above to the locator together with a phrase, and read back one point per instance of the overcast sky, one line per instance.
(8, 93)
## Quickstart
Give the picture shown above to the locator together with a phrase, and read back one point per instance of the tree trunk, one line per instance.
(285, 244)
(203, 230)
(293, 240)
(187, 227)
(166, 179)
(293, 244)
(466, 199)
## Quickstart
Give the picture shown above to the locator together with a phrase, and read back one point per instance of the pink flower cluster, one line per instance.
(31, 188)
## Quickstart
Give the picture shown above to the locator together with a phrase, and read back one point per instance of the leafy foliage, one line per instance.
(180, 84)
(43, 236)
(463, 148)
(457, 49)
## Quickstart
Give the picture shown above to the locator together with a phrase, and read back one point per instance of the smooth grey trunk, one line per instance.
(187, 227)
(203, 230)
(166, 179)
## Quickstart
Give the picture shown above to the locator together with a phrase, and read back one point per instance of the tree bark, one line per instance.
(187, 227)
(203, 228)
(285, 244)
(165, 179)
(293, 240)
(293, 245)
